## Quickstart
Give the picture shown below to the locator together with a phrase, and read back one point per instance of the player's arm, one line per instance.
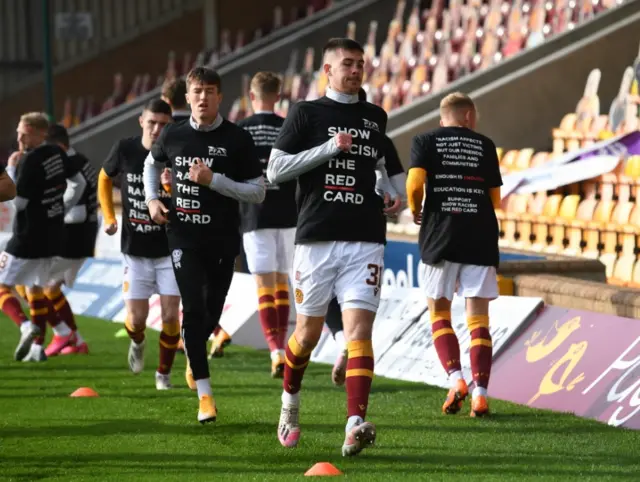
(248, 185)
(76, 184)
(495, 179)
(287, 161)
(7, 188)
(110, 169)
(417, 178)
(395, 171)
(155, 162)
(29, 184)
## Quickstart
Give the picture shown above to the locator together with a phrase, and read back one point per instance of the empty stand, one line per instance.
(178, 64)
(426, 49)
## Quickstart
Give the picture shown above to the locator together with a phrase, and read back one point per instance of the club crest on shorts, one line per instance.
(299, 296)
(176, 256)
(125, 287)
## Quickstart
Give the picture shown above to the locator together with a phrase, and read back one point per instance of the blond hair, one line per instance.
(456, 103)
(266, 84)
(36, 120)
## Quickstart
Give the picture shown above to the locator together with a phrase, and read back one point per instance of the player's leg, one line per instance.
(191, 271)
(260, 247)
(169, 337)
(167, 288)
(216, 287)
(334, 322)
(285, 249)
(138, 287)
(11, 306)
(358, 291)
(479, 285)
(316, 269)
(440, 284)
(63, 334)
(21, 291)
(41, 310)
(63, 308)
(61, 320)
(10, 270)
(283, 307)
(16, 271)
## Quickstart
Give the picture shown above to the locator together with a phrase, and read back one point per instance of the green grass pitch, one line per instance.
(134, 433)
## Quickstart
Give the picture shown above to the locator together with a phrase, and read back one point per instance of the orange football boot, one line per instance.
(456, 396)
(479, 406)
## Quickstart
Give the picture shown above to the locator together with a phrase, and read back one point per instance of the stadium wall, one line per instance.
(521, 99)
(94, 78)
(145, 53)
(581, 294)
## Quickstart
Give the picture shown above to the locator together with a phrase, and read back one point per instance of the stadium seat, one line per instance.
(524, 232)
(610, 234)
(540, 225)
(440, 45)
(557, 227)
(516, 206)
(601, 217)
(575, 229)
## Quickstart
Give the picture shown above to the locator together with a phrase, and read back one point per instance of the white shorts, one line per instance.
(351, 271)
(144, 277)
(467, 280)
(65, 270)
(269, 250)
(24, 271)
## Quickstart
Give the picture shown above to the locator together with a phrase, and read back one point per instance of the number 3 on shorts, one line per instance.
(375, 279)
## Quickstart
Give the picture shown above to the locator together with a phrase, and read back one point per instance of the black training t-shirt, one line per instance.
(458, 219)
(81, 237)
(199, 216)
(38, 230)
(337, 200)
(391, 158)
(140, 235)
(278, 210)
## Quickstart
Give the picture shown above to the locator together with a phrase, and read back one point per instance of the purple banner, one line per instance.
(625, 146)
(574, 361)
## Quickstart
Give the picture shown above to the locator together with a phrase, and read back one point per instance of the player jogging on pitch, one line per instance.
(269, 228)
(458, 239)
(47, 186)
(145, 251)
(214, 166)
(81, 226)
(398, 180)
(333, 146)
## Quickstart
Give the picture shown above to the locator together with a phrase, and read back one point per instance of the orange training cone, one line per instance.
(84, 392)
(323, 468)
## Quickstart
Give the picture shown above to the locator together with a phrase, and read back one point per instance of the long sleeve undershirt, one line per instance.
(249, 191)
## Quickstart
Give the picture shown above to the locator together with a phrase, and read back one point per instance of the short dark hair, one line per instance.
(204, 75)
(342, 43)
(362, 95)
(58, 134)
(158, 106)
(175, 91)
